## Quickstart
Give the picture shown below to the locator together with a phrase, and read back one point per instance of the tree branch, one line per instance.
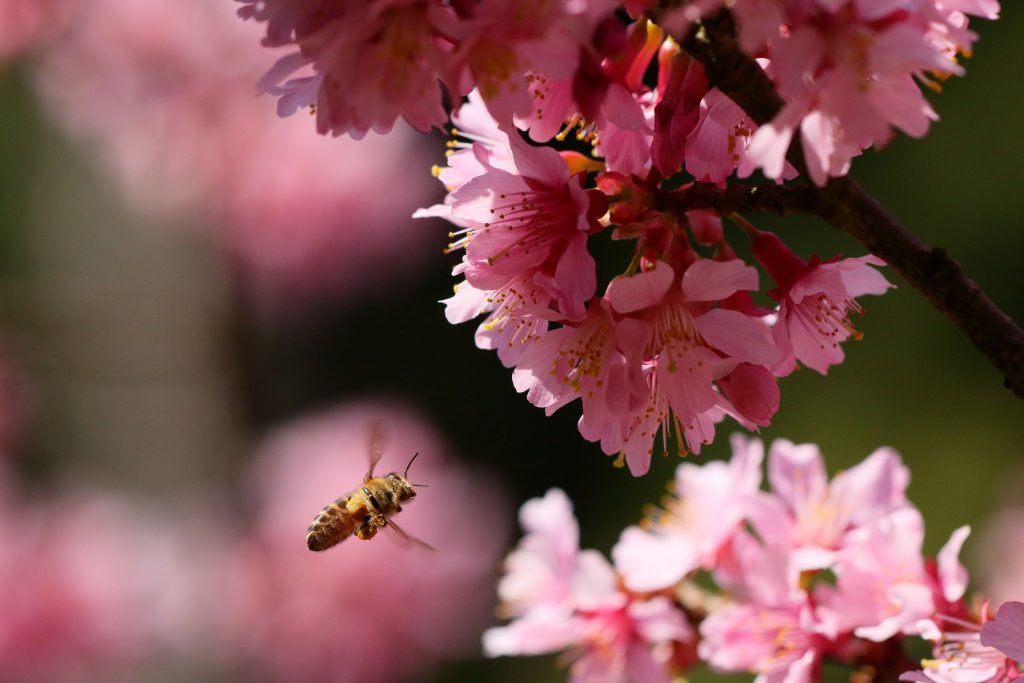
(846, 206)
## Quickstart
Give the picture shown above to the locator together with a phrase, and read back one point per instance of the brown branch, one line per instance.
(846, 206)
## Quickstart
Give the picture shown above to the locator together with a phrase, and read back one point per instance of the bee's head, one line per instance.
(401, 485)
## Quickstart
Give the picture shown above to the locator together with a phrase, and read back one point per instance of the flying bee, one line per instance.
(367, 509)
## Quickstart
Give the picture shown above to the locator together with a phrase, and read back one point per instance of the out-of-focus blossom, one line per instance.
(709, 504)
(566, 598)
(24, 22)
(371, 62)
(771, 628)
(884, 586)
(363, 66)
(92, 588)
(814, 517)
(1006, 632)
(164, 93)
(342, 615)
(815, 300)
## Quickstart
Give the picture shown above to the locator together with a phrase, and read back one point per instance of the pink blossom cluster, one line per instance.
(679, 339)
(848, 71)
(675, 343)
(810, 571)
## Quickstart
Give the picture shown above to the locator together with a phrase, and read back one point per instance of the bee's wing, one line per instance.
(403, 539)
(376, 440)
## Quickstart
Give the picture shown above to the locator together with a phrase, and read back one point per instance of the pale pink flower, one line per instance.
(771, 628)
(284, 608)
(708, 507)
(883, 585)
(164, 93)
(815, 301)
(816, 518)
(1006, 632)
(566, 598)
(362, 64)
(535, 220)
(961, 656)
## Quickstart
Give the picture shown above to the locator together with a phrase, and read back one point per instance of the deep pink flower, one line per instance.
(533, 221)
(518, 315)
(281, 608)
(815, 300)
(846, 70)
(1006, 632)
(577, 361)
(708, 507)
(676, 343)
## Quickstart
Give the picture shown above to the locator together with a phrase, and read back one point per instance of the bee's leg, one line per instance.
(367, 531)
(369, 528)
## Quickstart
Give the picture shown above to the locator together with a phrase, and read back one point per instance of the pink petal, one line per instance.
(633, 293)
(739, 336)
(651, 562)
(539, 163)
(953, 575)
(1006, 632)
(797, 473)
(860, 278)
(707, 280)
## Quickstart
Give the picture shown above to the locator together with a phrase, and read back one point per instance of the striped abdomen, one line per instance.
(334, 524)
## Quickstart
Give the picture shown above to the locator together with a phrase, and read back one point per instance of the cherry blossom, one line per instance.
(815, 300)
(566, 598)
(708, 507)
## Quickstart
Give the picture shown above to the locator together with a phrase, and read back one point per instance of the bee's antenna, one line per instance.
(406, 474)
(420, 486)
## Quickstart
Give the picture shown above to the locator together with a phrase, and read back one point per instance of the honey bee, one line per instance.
(369, 508)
